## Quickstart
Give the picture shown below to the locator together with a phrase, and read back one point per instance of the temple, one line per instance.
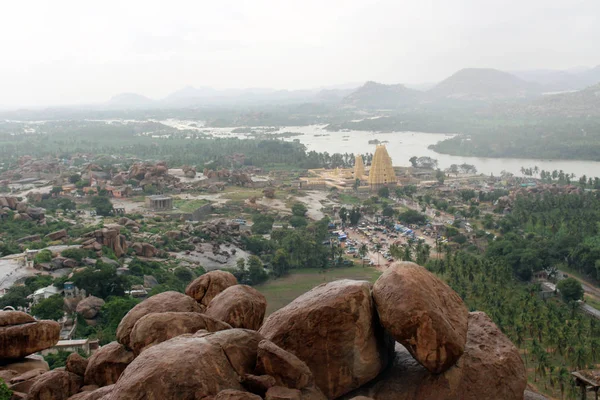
(359, 167)
(381, 172)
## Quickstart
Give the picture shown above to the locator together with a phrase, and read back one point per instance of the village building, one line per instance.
(159, 202)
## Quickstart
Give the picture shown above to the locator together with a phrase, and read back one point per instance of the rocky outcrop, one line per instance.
(490, 368)
(23, 383)
(22, 338)
(96, 394)
(89, 307)
(55, 385)
(422, 313)
(57, 235)
(231, 394)
(155, 328)
(162, 302)
(145, 249)
(110, 237)
(106, 365)
(334, 329)
(163, 371)
(206, 287)
(240, 306)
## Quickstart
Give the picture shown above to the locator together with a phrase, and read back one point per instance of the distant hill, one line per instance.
(581, 103)
(483, 84)
(559, 80)
(375, 95)
(131, 100)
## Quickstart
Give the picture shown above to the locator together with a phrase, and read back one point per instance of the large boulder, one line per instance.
(490, 368)
(163, 371)
(55, 385)
(334, 329)
(204, 288)
(232, 394)
(89, 307)
(22, 339)
(8, 318)
(162, 302)
(107, 364)
(155, 328)
(57, 235)
(23, 383)
(76, 364)
(422, 313)
(241, 306)
(287, 369)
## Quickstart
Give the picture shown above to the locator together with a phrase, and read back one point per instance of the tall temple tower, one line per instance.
(381, 172)
(359, 167)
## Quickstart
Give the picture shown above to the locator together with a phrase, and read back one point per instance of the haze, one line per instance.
(72, 52)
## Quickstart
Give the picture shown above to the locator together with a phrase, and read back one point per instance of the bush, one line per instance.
(5, 392)
(570, 289)
(262, 224)
(43, 256)
(412, 217)
(50, 308)
(298, 222)
(384, 192)
(76, 254)
(299, 209)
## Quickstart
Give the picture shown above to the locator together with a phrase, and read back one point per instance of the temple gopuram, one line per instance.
(381, 172)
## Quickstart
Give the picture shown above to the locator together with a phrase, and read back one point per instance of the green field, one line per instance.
(280, 292)
(189, 206)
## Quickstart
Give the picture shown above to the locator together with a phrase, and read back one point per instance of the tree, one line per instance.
(363, 250)
(570, 289)
(299, 209)
(343, 213)
(384, 192)
(412, 217)
(256, 271)
(440, 175)
(262, 224)
(356, 184)
(102, 205)
(43, 256)
(50, 308)
(74, 178)
(102, 282)
(298, 222)
(280, 263)
(388, 211)
(413, 161)
(354, 216)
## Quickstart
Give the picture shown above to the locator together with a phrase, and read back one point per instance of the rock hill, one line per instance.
(408, 336)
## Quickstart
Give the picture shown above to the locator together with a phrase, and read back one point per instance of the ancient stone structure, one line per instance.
(359, 167)
(159, 202)
(381, 172)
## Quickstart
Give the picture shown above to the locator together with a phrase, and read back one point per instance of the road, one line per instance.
(590, 310)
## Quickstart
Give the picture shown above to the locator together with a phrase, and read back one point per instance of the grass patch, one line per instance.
(592, 301)
(280, 292)
(189, 206)
(345, 198)
(242, 193)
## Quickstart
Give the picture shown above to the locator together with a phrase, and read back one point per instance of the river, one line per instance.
(402, 146)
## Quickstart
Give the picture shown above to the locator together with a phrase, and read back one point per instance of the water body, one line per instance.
(402, 146)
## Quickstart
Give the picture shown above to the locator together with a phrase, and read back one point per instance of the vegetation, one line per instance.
(570, 289)
(50, 308)
(5, 392)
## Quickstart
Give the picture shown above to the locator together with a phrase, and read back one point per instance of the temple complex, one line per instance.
(159, 202)
(381, 172)
(359, 167)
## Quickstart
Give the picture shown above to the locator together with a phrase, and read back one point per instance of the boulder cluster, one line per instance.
(22, 211)
(20, 337)
(408, 336)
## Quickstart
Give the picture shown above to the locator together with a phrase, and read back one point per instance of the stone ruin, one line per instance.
(408, 336)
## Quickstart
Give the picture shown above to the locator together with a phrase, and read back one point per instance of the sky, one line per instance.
(72, 51)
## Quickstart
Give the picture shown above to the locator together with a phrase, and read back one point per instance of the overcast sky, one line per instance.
(77, 51)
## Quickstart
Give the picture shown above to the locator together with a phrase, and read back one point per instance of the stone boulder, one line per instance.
(107, 364)
(163, 371)
(55, 385)
(206, 287)
(283, 393)
(57, 235)
(490, 368)
(23, 383)
(76, 364)
(8, 318)
(89, 307)
(241, 306)
(22, 339)
(144, 249)
(334, 329)
(286, 369)
(155, 328)
(422, 313)
(258, 384)
(162, 302)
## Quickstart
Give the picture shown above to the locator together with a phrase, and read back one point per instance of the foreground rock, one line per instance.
(55, 385)
(162, 302)
(97, 394)
(76, 364)
(286, 369)
(23, 339)
(155, 328)
(422, 313)
(241, 306)
(490, 368)
(89, 307)
(24, 365)
(106, 365)
(218, 361)
(204, 288)
(333, 328)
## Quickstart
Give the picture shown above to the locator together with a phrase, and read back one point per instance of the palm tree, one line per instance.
(363, 250)
(563, 378)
